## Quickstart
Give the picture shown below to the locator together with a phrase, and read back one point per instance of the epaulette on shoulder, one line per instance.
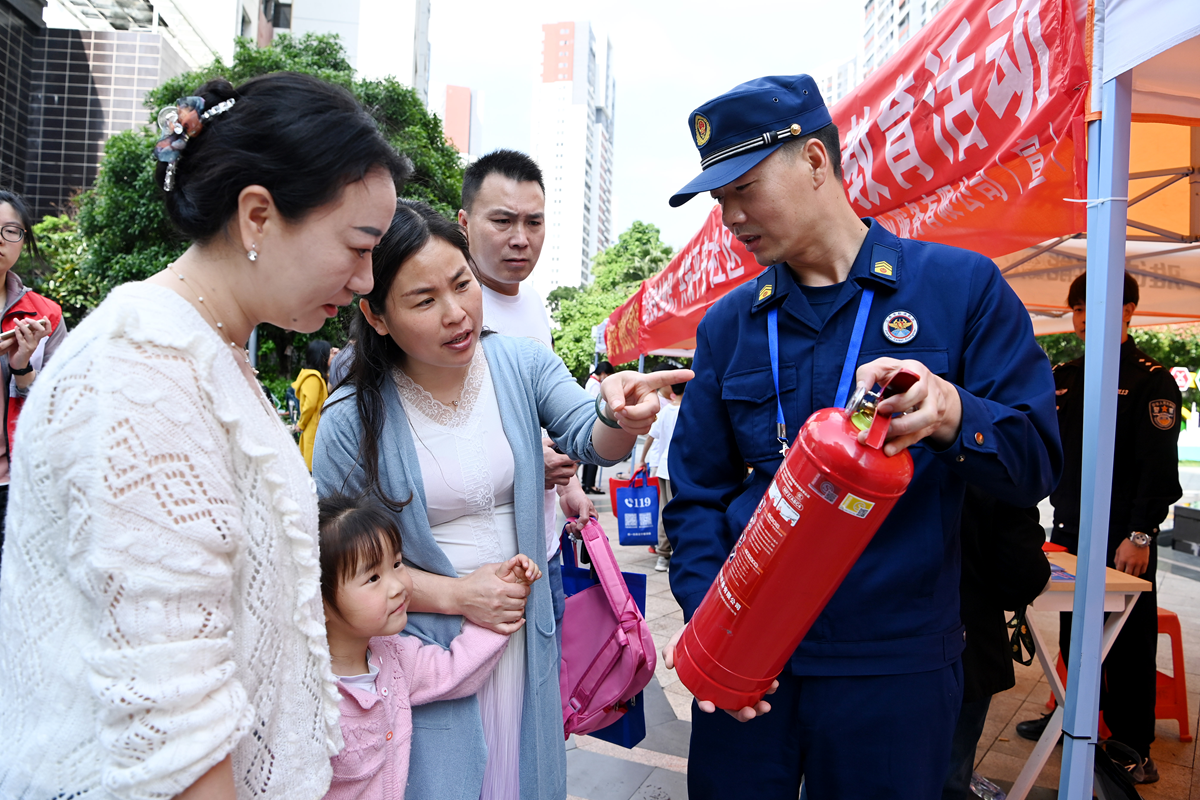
(1147, 363)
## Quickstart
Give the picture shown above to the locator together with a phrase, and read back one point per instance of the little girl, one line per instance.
(366, 589)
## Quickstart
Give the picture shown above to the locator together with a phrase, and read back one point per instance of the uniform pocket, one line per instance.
(749, 398)
(935, 358)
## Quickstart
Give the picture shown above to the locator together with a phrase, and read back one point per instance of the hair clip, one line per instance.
(179, 123)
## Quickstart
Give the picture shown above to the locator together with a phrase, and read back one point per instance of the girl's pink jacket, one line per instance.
(378, 727)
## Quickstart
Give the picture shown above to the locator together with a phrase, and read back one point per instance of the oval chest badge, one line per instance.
(900, 327)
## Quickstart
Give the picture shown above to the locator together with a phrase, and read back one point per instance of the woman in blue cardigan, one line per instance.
(445, 423)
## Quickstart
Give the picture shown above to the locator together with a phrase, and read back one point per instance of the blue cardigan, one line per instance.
(534, 391)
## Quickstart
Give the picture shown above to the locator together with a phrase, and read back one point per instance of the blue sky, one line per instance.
(669, 57)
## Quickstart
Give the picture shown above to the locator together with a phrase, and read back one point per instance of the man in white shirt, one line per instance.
(503, 214)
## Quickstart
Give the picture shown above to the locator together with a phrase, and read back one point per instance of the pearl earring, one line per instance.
(253, 254)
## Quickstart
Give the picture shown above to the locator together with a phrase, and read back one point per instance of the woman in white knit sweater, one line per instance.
(161, 629)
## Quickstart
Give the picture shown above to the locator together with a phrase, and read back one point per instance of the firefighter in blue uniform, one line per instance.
(867, 704)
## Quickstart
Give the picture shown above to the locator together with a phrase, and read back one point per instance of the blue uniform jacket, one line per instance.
(897, 610)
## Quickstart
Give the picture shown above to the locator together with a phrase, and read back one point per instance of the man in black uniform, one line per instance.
(1145, 483)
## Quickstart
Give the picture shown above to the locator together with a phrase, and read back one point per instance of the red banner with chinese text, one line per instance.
(972, 134)
(666, 309)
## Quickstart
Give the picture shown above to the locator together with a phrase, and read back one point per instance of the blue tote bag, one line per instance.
(635, 505)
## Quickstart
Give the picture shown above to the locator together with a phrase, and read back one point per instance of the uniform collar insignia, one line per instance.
(884, 264)
(767, 288)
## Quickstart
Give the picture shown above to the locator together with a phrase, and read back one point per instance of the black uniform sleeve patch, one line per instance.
(1162, 414)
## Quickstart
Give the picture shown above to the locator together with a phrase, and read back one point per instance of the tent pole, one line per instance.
(1108, 177)
(1194, 187)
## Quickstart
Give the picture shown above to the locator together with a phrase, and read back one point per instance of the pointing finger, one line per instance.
(657, 380)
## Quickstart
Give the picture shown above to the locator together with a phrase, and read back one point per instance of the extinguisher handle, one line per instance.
(899, 383)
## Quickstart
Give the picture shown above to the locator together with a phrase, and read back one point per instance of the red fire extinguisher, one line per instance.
(820, 511)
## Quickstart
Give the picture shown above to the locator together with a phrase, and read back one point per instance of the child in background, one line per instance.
(366, 589)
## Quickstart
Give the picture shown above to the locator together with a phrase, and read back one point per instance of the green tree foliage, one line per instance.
(1061, 347)
(637, 254)
(414, 131)
(124, 231)
(63, 247)
(573, 341)
(122, 220)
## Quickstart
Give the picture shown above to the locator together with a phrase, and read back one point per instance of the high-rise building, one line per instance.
(835, 80)
(196, 30)
(75, 72)
(888, 24)
(460, 120)
(381, 37)
(572, 141)
(65, 90)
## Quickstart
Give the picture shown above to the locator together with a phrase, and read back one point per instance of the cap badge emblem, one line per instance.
(703, 130)
(882, 268)
(765, 292)
(900, 327)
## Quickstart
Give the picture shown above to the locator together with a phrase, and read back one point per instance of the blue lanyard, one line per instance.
(856, 337)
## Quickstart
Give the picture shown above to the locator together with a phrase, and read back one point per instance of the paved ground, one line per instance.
(656, 769)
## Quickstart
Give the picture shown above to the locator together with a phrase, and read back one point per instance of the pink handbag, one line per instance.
(608, 652)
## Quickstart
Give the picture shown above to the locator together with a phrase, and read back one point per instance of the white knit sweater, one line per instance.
(160, 602)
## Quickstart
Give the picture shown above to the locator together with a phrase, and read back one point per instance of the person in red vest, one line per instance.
(30, 330)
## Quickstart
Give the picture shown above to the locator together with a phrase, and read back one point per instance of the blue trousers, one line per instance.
(849, 737)
(962, 752)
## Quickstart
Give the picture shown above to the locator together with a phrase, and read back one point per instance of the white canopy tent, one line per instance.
(1169, 275)
(1144, 70)
(1163, 224)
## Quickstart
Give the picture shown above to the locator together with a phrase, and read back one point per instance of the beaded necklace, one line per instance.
(212, 318)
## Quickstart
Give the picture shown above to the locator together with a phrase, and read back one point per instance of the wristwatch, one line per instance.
(1140, 539)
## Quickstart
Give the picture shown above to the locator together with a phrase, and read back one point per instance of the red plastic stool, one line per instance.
(1061, 669)
(1171, 692)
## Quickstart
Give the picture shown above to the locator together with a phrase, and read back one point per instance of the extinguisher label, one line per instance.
(776, 516)
(856, 506)
(824, 488)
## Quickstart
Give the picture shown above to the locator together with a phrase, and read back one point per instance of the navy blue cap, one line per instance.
(746, 124)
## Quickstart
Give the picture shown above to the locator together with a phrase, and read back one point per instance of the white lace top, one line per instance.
(160, 603)
(468, 471)
(466, 468)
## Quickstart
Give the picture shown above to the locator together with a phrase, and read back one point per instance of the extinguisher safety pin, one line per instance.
(781, 435)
